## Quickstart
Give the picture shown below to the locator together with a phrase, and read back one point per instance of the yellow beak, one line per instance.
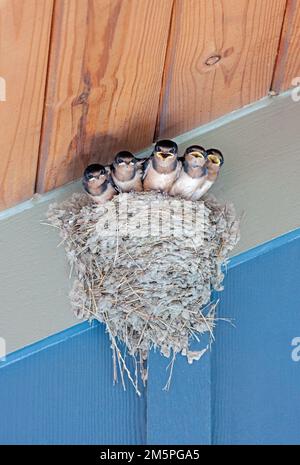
(197, 154)
(164, 155)
(214, 159)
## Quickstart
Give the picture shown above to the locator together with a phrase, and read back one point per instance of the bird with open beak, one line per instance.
(126, 172)
(192, 174)
(162, 168)
(98, 183)
(214, 161)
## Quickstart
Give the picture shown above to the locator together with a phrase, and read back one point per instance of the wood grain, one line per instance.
(244, 35)
(106, 68)
(288, 62)
(24, 45)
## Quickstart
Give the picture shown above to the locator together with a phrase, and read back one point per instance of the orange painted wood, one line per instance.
(106, 66)
(288, 62)
(220, 57)
(24, 44)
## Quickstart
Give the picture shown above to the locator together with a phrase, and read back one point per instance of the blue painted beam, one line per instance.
(181, 415)
(64, 394)
(256, 384)
(59, 390)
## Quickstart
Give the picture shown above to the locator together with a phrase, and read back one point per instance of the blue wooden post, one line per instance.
(181, 415)
(60, 391)
(256, 382)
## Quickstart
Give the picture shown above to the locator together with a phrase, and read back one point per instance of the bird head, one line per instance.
(94, 175)
(125, 164)
(124, 158)
(165, 150)
(214, 161)
(195, 156)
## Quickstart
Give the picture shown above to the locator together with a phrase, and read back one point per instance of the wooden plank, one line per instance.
(24, 45)
(242, 35)
(288, 62)
(106, 67)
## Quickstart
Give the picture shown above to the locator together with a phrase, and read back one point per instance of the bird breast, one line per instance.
(185, 185)
(133, 184)
(108, 194)
(160, 181)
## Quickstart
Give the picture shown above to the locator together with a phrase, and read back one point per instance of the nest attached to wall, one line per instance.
(145, 272)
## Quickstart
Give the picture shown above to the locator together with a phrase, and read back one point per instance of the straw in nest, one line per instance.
(146, 273)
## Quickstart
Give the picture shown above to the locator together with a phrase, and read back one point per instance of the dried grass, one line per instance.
(151, 287)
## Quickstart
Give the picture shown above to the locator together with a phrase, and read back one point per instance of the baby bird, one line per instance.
(213, 165)
(192, 174)
(126, 172)
(98, 184)
(163, 167)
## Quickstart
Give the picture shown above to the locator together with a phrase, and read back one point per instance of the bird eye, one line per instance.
(214, 159)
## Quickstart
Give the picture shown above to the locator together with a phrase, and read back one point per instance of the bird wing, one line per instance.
(146, 166)
(178, 168)
(111, 180)
(202, 190)
(141, 161)
(85, 185)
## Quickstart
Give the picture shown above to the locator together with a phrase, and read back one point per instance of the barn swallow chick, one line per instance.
(126, 172)
(98, 184)
(163, 167)
(213, 165)
(192, 173)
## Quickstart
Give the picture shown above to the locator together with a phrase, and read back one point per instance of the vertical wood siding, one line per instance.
(221, 57)
(105, 74)
(86, 78)
(288, 62)
(24, 43)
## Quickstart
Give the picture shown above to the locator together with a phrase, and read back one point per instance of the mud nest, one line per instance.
(146, 265)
